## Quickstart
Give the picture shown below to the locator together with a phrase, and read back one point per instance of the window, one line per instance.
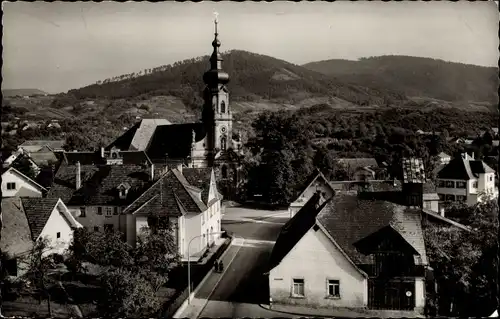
(491, 178)
(115, 212)
(108, 227)
(58, 235)
(223, 107)
(298, 288)
(223, 143)
(441, 183)
(96, 228)
(82, 212)
(224, 171)
(461, 198)
(442, 197)
(450, 197)
(474, 184)
(99, 210)
(450, 184)
(122, 193)
(11, 266)
(461, 185)
(11, 185)
(109, 211)
(333, 288)
(427, 205)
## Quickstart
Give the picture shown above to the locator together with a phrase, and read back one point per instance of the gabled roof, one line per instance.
(145, 132)
(295, 229)
(43, 158)
(16, 234)
(38, 211)
(33, 146)
(355, 163)
(29, 180)
(200, 178)
(99, 184)
(170, 195)
(317, 174)
(464, 169)
(348, 219)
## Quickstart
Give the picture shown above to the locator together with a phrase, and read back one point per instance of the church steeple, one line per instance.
(215, 76)
(217, 114)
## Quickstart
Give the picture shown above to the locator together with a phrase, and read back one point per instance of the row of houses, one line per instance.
(357, 244)
(111, 190)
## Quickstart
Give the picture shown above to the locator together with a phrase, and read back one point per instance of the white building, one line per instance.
(27, 220)
(466, 180)
(15, 183)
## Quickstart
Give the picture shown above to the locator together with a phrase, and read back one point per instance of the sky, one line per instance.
(57, 46)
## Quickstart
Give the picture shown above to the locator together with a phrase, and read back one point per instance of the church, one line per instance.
(207, 143)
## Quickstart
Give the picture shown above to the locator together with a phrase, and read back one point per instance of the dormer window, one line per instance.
(123, 189)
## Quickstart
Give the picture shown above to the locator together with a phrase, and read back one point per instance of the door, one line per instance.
(391, 294)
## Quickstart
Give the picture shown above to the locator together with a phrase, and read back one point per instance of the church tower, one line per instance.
(217, 116)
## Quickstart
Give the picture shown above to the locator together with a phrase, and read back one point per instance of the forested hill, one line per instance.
(416, 76)
(22, 92)
(253, 77)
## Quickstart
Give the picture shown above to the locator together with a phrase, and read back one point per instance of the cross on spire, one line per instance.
(216, 20)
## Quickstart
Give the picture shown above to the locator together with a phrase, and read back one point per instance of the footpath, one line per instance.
(204, 290)
(340, 312)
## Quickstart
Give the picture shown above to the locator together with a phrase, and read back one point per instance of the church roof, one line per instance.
(174, 141)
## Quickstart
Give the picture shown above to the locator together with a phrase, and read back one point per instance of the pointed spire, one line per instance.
(215, 76)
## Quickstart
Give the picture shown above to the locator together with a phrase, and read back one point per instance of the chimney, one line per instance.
(102, 152)
(152, 175)
(441, 211)
(179, 167)
(78, 176)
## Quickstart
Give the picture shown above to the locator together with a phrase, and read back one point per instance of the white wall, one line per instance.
(419, 294)
(23, 187)
(92, 219)
(315, 259)
(57, 223)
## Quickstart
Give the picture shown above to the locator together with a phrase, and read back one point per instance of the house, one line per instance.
(189, 199)
(15, 183)
(466, 180)
(26, 220)
(444, 158)
(317, 182)
(359, 169)
(350, 253)
(32, 146)
(124, 191)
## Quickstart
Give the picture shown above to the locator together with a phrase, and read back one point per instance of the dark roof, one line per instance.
(367, 186)
(200, 178)
(99, 184)
(167, 196)
(94, 158)
(463, 169)
(43, 158)
(348, 219)
(53, 144)
(38, 211)
(174, 140)
(295, 229)
(125, 140)
(355, 163)
(413, 170)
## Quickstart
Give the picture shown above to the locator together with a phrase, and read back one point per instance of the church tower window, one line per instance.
(224, 171)
(223, 107)
(223, 142)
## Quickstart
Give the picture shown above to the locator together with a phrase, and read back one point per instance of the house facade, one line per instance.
(350, 253)
(466, 180)
(15, 183)
(27, 220)
(317, 182)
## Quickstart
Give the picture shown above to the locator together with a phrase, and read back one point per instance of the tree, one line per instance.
(128, 294)
(465, 264)
(24, 165)
(38, 267)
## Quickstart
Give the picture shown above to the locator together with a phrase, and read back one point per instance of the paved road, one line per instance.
(243, 286)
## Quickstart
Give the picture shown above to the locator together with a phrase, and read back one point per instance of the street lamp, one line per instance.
(189, 261)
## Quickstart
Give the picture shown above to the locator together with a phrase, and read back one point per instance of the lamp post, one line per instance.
(189, 261)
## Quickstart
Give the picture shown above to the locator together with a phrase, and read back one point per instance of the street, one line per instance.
(239, 291)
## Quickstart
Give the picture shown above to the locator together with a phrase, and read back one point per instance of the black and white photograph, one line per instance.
(253, 159)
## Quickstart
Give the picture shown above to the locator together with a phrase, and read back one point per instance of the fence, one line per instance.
(196, 277)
